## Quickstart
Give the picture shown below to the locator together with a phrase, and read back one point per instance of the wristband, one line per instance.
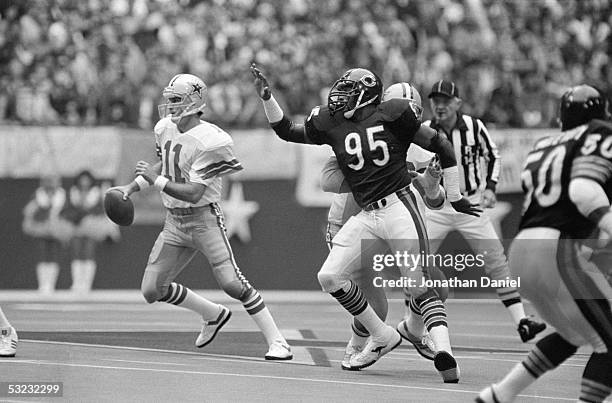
(141, 182)
(161, 182)
(273, 111)
(451, 183)
(597, 214)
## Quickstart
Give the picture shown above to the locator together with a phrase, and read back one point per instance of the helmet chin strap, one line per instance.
(349, 114)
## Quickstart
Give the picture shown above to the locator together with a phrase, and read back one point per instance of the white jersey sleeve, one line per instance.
(213, 163)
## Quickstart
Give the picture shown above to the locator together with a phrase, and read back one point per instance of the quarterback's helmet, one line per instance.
(355, 89)
(405, 91)
(581, 104)
(185, 95)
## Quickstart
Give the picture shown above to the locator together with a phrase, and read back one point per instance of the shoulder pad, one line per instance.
(162, 124)
(394, 108)
(211, 136)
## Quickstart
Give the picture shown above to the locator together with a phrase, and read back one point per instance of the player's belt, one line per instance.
(385, 201)
(376, 204)
(185, 210)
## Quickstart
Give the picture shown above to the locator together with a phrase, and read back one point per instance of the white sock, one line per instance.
(439, 335)
(372, 322)
(268, 327)
(47, 273)
(517, 380)
(4, 323)
(517, 311)
(206, 308)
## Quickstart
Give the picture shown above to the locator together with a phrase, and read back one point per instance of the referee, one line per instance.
(479, 165)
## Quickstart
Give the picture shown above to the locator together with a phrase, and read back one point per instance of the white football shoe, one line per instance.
(279, 351)
(211, 328)
(350, 350)
(424, 345)
(375, 348)
(8, 342)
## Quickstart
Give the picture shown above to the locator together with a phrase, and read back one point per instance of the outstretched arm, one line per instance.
(431, 140)
(282, 126)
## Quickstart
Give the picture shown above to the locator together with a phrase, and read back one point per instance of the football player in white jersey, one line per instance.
(194, 156)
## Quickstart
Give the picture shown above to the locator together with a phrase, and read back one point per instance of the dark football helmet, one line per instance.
(355, 89)
(581, 104)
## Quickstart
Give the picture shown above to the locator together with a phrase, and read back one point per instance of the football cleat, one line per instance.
(350, 350)
(446, 366)
(375, 348)
(424, 345)
(529, 328)
(8, 342)
(211, 328)
(279, 351)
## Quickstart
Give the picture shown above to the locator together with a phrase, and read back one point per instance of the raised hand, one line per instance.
(261, 83)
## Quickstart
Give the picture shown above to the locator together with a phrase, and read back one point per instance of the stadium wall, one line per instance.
(279, 244)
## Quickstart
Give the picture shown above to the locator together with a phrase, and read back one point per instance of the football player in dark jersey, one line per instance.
(370, 141)
(567, 182)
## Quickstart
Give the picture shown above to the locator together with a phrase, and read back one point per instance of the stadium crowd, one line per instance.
(85, 62)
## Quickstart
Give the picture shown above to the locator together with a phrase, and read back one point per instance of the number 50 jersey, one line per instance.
(371, 148)
(582, 152)
(202, 155)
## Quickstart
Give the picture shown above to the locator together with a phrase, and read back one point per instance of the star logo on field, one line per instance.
(238, 211)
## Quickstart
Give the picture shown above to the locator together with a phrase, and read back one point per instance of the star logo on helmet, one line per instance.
(197, 88)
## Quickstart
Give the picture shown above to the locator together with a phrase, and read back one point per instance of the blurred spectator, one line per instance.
(85, 211)
(84, 62)
(42, 222)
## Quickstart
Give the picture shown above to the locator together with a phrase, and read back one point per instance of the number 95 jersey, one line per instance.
(582, 152)
(370, 148)
(202, 155)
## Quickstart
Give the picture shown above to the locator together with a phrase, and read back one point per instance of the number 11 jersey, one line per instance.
(582, 152)
(370, 148)
(202, 155)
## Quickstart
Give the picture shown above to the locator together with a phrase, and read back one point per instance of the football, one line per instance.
(120, 211)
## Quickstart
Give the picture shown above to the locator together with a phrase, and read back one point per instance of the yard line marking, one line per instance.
(307, 359)
(284, 378)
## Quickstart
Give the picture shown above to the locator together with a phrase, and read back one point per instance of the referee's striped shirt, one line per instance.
(476, 153)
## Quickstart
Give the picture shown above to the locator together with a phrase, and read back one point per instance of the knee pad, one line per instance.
(330, 282)
(231, 280)
(153, 294)
(235, 289)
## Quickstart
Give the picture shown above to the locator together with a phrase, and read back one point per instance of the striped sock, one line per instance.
(182, 296)
(352, 300)
(433, 311)
(547, 354)
(596, 382)
(511, 299)
(593, 392)
(254, 304)
(355, 303)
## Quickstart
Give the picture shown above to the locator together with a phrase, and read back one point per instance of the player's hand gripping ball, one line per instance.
(119, 209)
